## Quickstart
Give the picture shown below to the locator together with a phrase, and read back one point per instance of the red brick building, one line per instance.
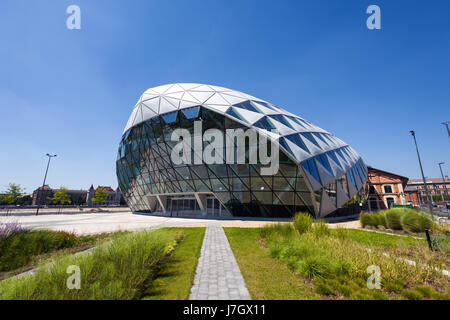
(384, 189)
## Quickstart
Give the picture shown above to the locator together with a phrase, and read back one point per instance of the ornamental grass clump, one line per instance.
(9, 228)
(302, 222)
(415, 222)
(337, 265)
(320, 229)
(19, 247)
(393, 218)
(369, 219)
(398, 219)
(113, 271)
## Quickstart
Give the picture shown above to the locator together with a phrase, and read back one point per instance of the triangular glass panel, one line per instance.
(295, 138)
(332, 155)
(267, 105)
(297, 121)
(310, 166)
(234, 114)
(324, 161)
(321, 138)
(191, 113)
(170, 117)
(356, 172)
(340, 153)
(265, 124)
(280, 118)
(283, 143)
(248, 105)
(250, 116)
(310, 137)
(351, 177)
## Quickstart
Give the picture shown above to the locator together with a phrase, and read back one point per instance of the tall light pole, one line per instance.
(448, 130)
(50, 156)
(445, 186)
(430, 207)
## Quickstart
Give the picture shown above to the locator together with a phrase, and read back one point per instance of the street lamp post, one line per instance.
(448, 130)
(430, 207)
(445, 186)
(45, 178)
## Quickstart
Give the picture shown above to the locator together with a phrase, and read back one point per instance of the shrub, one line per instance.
(369, 219)
(340, 233)
(296, 249)
(282, 229)
(393, 218)
(314, 266)
(322, 287)
(10, 228)
(441, 242)
(275, 247)
(320, 229)
(302, 222)
(113, 271)
(17, 250)
(415, 222)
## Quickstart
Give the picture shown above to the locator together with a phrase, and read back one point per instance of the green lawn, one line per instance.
(174, 280)
(383, 239)
(266, 278)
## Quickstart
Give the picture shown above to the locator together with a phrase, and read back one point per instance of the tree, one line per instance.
(14, 192)
(60, 197)
(101, 195)
(25, 200)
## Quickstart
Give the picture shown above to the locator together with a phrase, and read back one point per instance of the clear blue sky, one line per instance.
(71, 92)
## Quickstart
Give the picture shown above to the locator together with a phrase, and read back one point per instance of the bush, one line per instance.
(314, 266)
(415, 222)
(369, 219)
(441, 242)
(320, 229)
(322, 287)
(302, 222)
(393, 218)
(10, 228)
(340, 233)
(17, 250)
(113, 271)
(282, 229)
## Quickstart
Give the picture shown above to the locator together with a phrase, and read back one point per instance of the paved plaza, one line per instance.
(91, 223)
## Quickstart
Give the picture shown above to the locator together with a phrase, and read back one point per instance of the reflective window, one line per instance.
(295, 138)
(323, 160)
(320, 136)
(311, 168)
(248, 105)
(191, 113)
(351, 177)
(332, 155)
(265, 123)
(280, 118)
(170, 117)
(309, 136)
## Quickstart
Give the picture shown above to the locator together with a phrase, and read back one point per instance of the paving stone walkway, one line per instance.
(218, 276)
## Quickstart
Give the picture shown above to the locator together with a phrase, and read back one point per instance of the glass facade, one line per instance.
(318, 173)
(144, 168)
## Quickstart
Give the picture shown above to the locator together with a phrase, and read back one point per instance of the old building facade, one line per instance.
(385, 189)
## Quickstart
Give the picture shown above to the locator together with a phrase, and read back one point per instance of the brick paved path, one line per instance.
(218, 276)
